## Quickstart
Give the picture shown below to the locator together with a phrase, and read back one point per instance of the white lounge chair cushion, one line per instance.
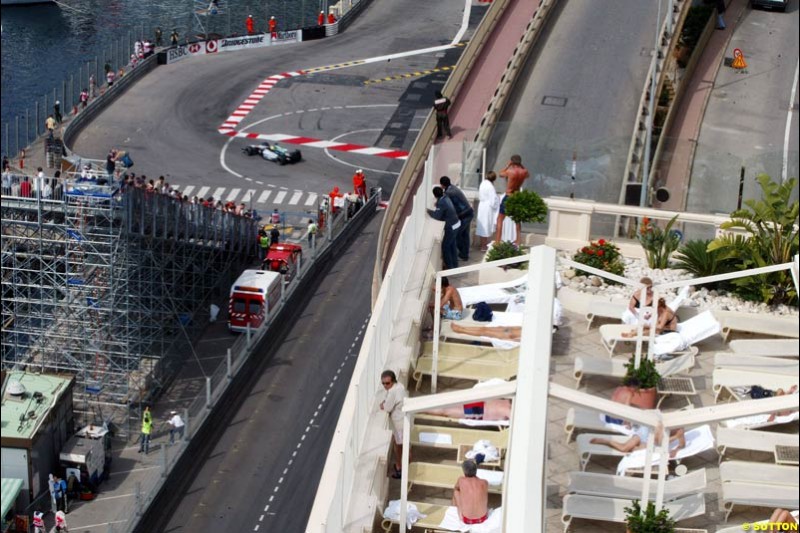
(452, 522)
(613, 509)
(698, 440)
(760, 421)
(611, 486)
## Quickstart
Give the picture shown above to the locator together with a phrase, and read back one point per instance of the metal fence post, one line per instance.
(5, 138)
(27, 126)
(36, 117)
(208, 392)
(228, 361)
(63, 91)
(96, 72)
(68, 103)
(16, 143)
(186, 424)
(44, 110)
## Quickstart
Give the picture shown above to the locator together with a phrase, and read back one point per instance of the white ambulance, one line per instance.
(254, 295)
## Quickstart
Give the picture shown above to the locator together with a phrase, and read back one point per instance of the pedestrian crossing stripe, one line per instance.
(254, 196)
(416, 74)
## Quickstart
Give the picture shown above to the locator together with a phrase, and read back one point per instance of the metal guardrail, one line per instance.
(404, 186)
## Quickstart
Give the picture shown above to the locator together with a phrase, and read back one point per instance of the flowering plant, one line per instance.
(658, 243)
(601, 254)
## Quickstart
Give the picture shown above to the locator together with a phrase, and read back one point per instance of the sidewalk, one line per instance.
(681, 139)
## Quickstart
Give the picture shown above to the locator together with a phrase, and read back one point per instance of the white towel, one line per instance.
(490, 452)
(616, 428)
(691, 332)
(494, 477)
(435, 438)
(479, 423)
(493, 524)
(493, 293)
(698, 440)
(501, 344)
(756, 421)
(392, 512)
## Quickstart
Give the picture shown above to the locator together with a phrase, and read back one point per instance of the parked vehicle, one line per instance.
(283, 258)
(254, 295)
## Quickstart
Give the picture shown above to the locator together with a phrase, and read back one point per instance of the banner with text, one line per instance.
(186, 50)
(241, 43)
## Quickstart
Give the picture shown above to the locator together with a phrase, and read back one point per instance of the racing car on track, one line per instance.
(273, 152)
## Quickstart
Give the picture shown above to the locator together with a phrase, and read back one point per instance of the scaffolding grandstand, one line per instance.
(111, 285)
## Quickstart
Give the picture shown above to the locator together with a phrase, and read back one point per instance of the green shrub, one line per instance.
(504, 250)
(644, 377)
(603, 255)
(658, 244)
(695, 258)
(526, 206)
(648, 521)
(770, 238)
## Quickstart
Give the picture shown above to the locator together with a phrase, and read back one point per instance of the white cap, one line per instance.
(359, 171)
(321, 12)
(249, 16)
(173, 412)
(58, 102)
(272, 18)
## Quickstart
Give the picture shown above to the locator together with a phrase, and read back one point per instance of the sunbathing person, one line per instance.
(781, 392)
(631, 314)
(507, 333)
(471, 495)
(781, 516)
(498, 409)
(638, 440)
(451, 306)
(667, 321)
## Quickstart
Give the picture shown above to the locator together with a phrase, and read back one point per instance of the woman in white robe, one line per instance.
(488, 204)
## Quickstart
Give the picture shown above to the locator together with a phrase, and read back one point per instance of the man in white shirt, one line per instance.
(178, 426)
(393, 395)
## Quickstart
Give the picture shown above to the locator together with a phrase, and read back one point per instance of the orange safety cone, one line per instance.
(738, 59)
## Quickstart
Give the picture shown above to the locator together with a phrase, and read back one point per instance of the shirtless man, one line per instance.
(499, 409)
(506, 333)
(515, 173)
(471, 495)
(639, 439)
(451, 306)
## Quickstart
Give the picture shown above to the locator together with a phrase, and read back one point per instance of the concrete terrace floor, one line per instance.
(571, 340)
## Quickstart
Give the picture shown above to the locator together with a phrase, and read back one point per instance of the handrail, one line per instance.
(404, 186)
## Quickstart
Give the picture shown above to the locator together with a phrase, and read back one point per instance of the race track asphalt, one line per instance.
(168, 121)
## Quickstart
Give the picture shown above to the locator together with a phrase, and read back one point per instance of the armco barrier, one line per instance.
(405, 185)
(97, 105)
(231, 392)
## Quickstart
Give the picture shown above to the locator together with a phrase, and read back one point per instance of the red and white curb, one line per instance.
(228, 128)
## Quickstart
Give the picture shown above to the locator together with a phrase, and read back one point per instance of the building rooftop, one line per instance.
(25, 409)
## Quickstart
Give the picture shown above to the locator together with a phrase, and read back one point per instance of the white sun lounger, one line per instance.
(766, 347)
(580, 418)
(757, 324)
(613, 509)
(453, 437)
(615, 367)
(604, 309)
(499, 319)
(725, 379)
(758, 485)
(775, 365)
(760, 421)
(611, 486)
(759, 441)
(475, 370)
(445, 476)
(457, 350)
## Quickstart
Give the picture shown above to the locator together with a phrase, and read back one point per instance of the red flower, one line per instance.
(590, 252)
(601, 242)
(585, 250)
(601, 253)
(645, 221)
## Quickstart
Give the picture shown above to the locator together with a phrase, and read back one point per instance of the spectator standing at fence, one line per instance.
(275, 217)
(273, 27)
(38, 522)
(6, 164)
(147, 48)
(331, 18)
(274, 235)
(147, 429)
(321, 18)
(84, 98)
(134, 61)
(110, 77)
(92, 86)
(51, 485)
(178, 426)
(58, 190)
(121, 73)
(173, 38)
(111, 166)
(47, 190)
(50, 125)
(515, 175)
(441, 104)
(263, 244)
(465, 215)
(488, 203)
(61, 522)
(57, 112)
(159, 35)
(446, 212)
(311, 233)
(137, 49)
(25, 189)
(250, 24)
(6, 183)
(360, 185)
(392, 397)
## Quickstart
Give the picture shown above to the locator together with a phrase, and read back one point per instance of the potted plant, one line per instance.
(603, 255)
(526, 207)
(497, 251)
(641, 382)
(648, 521)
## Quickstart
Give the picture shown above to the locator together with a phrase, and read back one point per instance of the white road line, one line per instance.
(295, 198)
(202, 192)
(464, 22)
(787, 134)
(188, 190)
(248, 196)
(279, 197)
(312, 198)
(233, 194)
(218, 193)
(263, 197)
